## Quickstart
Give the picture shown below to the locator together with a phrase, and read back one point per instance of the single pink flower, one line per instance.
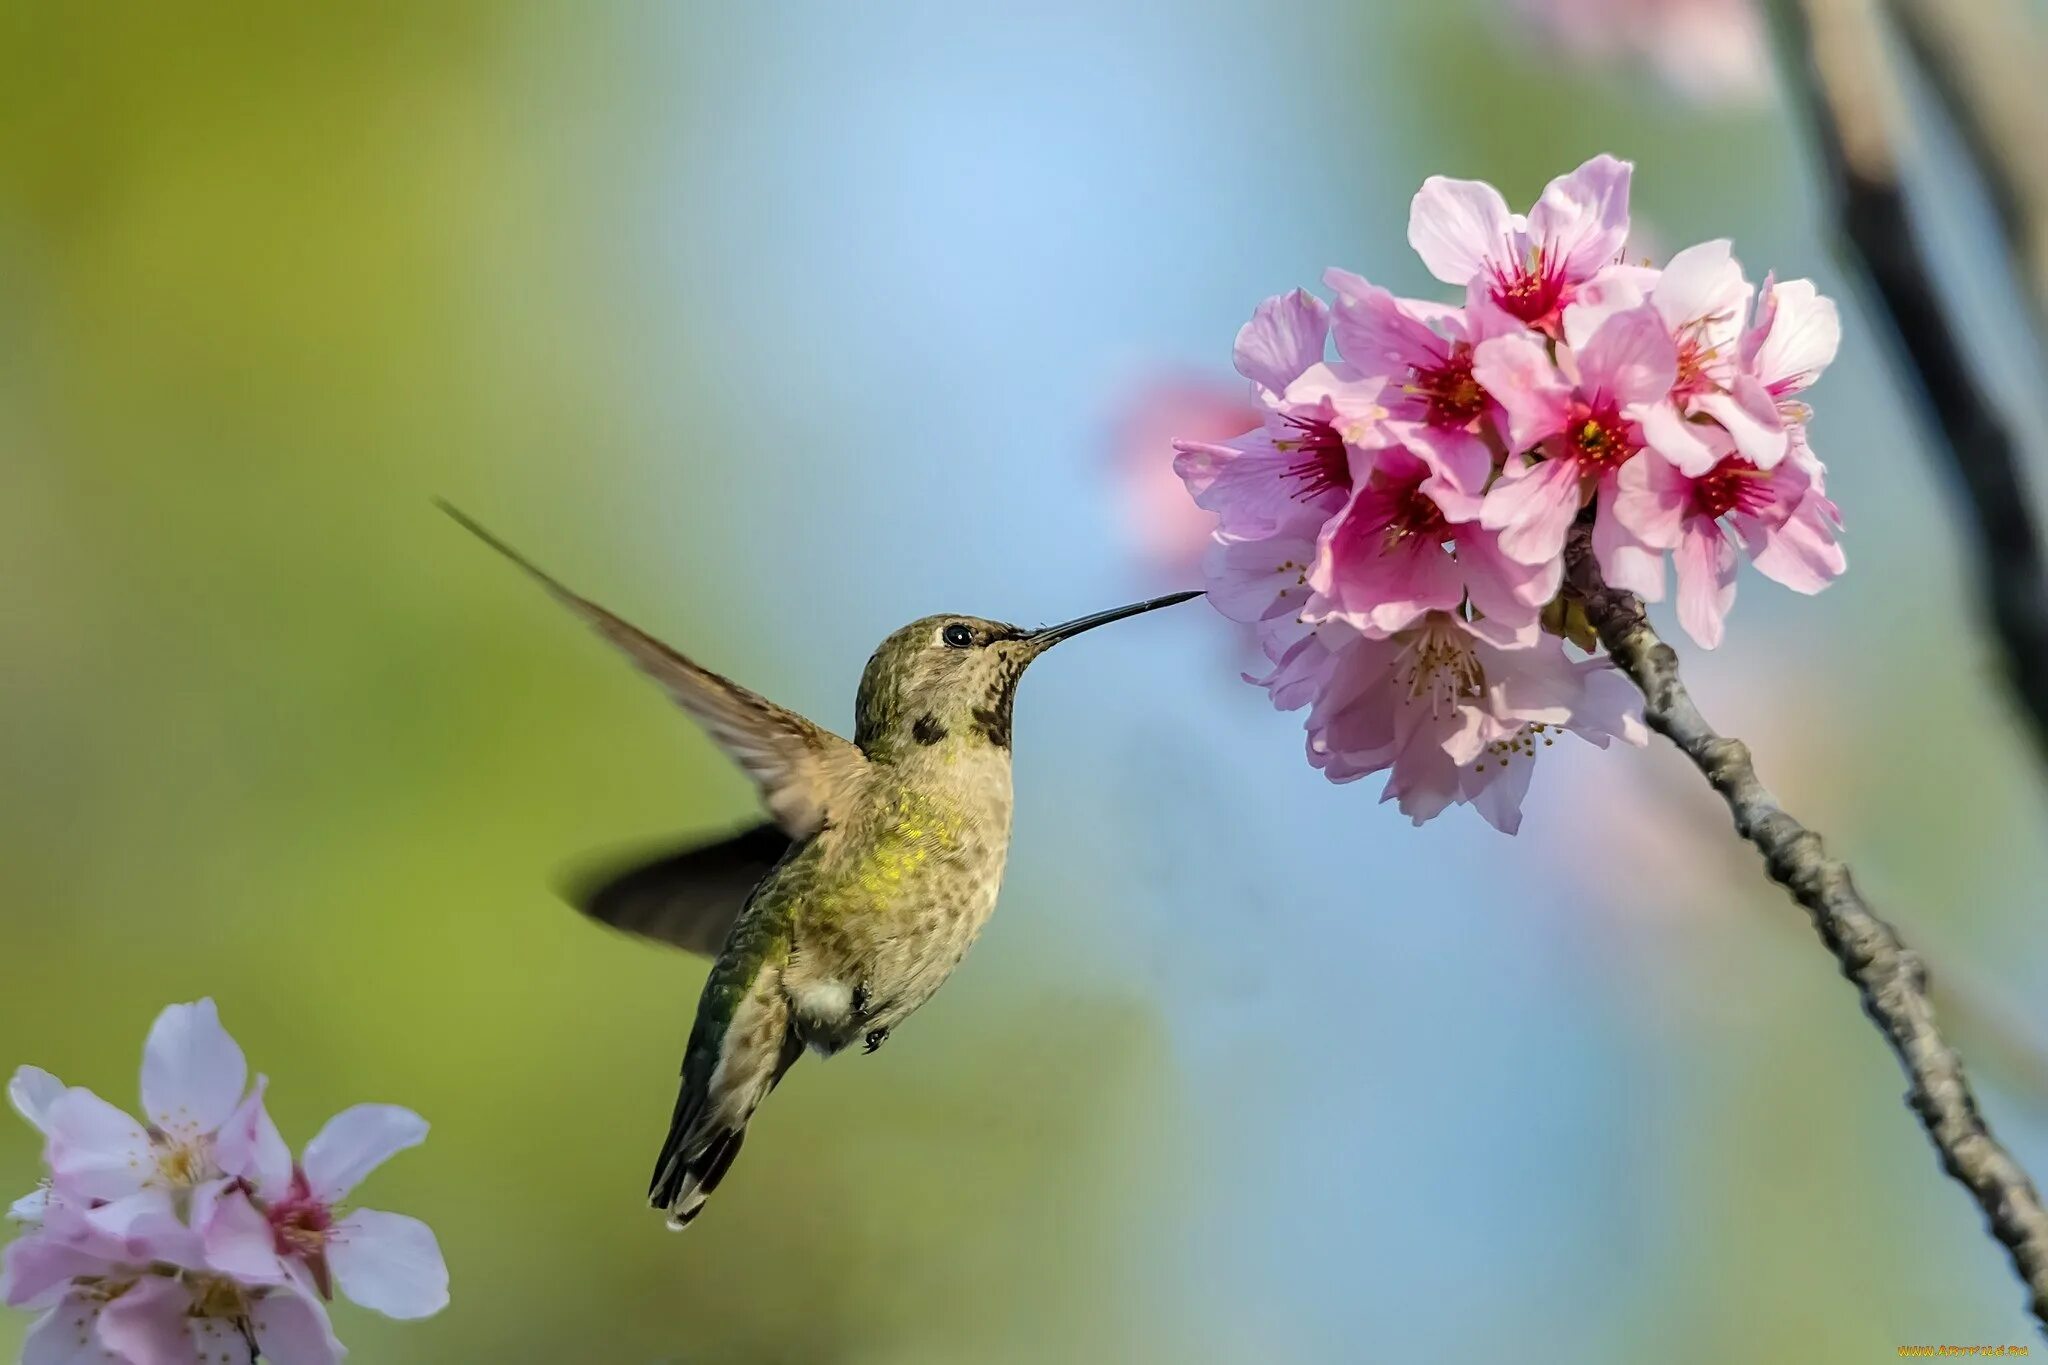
(192, 1077)
(1409, 543)
(276, 1222)
(1704, 301)
(1780, 517)
(1795, 336)
(1530, 266)
(1419, 356)
(1258, 482)
(1711, 51)
(1450, 716)
(1583, 413)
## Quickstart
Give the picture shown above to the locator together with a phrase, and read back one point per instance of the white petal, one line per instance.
(192, 1071)
(238, 1239)
(148, 1325)
(357, 1141)
(249, 1145)
(1460, 227)
(29, 1208)
(389, 1262)
(96, 1151)
(293, 1330)
(65, 1336)
(32, 1092)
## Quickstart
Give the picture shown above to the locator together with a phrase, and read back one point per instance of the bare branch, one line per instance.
(1888, 976)
(1835, 63)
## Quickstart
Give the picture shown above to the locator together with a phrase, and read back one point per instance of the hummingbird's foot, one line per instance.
(860, 1003)
(876, 1037)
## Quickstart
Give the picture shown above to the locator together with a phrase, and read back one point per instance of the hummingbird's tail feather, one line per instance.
(706, 1132)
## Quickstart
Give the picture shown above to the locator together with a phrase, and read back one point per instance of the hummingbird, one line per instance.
(836, 917)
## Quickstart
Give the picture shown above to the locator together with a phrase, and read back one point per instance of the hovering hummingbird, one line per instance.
(844, 911)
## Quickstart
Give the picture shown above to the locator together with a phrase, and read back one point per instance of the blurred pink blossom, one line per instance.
(1171, 532)
(1710, 51)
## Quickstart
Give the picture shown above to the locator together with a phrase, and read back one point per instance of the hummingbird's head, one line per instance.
(955, 677)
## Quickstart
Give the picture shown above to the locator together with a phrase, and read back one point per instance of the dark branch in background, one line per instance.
(1835, 63)
(1887, 975)
(1984, 60)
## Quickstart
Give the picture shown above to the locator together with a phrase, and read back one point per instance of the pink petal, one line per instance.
(238, 1239)
(1703, 283)
(1751, 416)
(147, 1325)
(1650, 498)
(96, 1151)
(1582, 219)
(1627, 561)
(1379, 336)
(32, 1091)
(1284, 337)
(1459, 227)
(1460, 464)
(1252, 580)
(1616, 289)
(192, 1071)
(1497, 787)
(1508, 594)
(1800, 334)
(30, 1207)
(250, 1147)
(1803, 553)
(65, 1336)
(1517, 372)
(357, 1141)
(1532, 506)
(389, 1262)
(1630, 359)
(1705, 561)
(1691, 447)
(292, 1329)
(144, 1227)
(38, 1269)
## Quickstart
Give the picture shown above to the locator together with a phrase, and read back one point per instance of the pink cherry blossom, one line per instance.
(1583, 414)
(1420, 356)
(136, 1249)
(1409, 543)
(275, 1222)
(1780, 517)
(1712, 51)
(1455, 719)
(1530, 266)
(1394, 530)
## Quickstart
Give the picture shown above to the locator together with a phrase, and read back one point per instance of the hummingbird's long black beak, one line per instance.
(1046, 638)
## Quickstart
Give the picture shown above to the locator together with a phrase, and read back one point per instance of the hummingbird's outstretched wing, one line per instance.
(800, 768)
(687, 896)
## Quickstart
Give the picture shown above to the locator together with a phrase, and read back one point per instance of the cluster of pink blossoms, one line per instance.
(1395, 530)
(195, 1236)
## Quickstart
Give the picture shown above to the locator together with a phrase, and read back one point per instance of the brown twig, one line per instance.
(1887, 975)
(1835, 66)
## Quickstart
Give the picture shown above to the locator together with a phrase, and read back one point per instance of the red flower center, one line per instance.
(1725, 488)
(1598, 438)
(1453, 395)
(1321, 464)
(1532, 293)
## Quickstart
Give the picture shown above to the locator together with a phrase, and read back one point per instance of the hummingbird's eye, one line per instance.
(957, 636)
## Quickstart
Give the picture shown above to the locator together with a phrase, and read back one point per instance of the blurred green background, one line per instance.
(773, 329)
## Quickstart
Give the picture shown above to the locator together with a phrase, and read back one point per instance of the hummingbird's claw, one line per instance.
(876, 1037)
